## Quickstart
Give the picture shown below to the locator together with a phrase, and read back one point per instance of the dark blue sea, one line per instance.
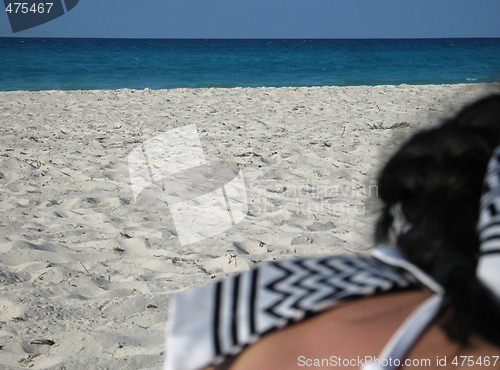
(66, 64)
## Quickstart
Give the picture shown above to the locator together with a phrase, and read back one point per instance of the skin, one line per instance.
(358, 329)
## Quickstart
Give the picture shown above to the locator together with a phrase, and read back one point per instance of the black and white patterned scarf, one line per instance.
(213, 322)
(488, 268)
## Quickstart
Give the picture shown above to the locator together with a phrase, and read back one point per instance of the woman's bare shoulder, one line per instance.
(350, 334)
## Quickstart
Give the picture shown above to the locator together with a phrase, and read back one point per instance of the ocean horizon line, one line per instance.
(253, 38)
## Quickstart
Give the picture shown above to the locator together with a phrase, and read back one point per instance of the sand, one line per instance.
(87, 270)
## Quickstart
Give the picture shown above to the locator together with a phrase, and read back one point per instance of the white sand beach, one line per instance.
(87, 272)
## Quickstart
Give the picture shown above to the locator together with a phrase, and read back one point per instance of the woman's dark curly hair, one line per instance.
(436, 178)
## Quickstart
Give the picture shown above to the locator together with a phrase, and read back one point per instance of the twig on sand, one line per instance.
(88, 273)
(380, 126)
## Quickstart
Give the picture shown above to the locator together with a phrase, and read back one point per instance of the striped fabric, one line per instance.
(211, 323)
(488, 269)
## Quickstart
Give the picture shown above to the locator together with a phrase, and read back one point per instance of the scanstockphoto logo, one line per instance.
(28, 14)
(204, 198)
(272, 198)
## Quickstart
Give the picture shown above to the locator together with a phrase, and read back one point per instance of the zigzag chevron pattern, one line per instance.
(488, 267)
(309, 284)
(213, 322)
(489, 221)
(258, 301)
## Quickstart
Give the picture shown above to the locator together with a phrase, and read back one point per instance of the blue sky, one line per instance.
(271, 19)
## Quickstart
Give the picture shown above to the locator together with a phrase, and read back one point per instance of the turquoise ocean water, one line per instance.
(42, 64)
